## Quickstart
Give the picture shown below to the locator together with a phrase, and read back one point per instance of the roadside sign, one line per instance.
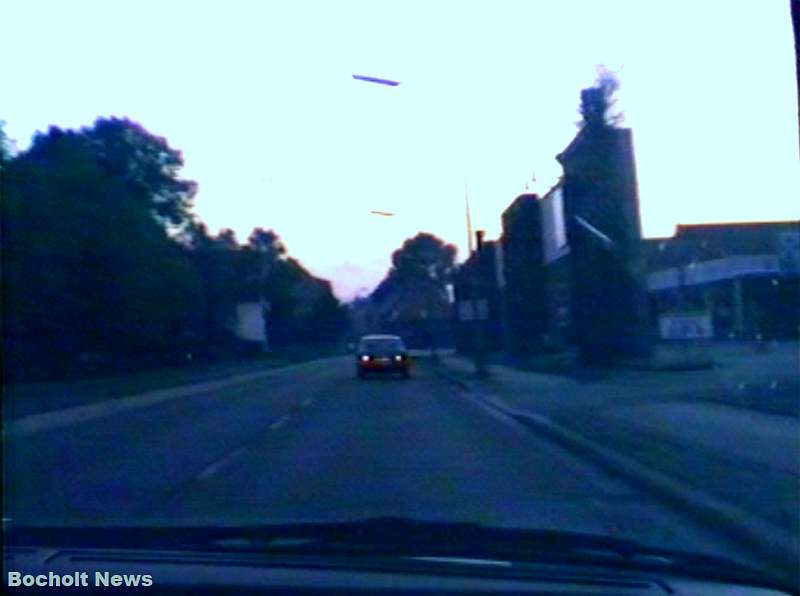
(686, 326)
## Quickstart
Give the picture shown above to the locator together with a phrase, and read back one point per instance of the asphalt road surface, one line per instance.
(315, 443)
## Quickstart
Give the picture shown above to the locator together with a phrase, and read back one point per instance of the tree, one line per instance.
(5, 145)
(104, 260)
(424, 256)
(303, 308)
(226, 239)
(266, 241)
(414, 292)
(89, 270)
(147, 165)
(597, 102)
(269, 248)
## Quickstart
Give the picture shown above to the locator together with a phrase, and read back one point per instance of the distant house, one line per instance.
(416, 309)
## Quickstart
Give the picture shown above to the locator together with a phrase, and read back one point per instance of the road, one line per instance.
(314, 443)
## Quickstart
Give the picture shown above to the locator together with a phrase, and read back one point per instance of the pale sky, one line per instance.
(259, 97)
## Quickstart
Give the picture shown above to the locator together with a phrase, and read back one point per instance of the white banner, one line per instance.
(686, 326)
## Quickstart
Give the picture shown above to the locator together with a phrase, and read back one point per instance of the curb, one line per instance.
(765, 539)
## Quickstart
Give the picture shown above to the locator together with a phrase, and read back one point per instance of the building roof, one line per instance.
(739, 238)
(585, 136)
(520, 202)
(554, 188)
(707, 242)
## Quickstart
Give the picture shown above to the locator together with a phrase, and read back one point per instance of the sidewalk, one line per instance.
(764, 378)
(685, 426)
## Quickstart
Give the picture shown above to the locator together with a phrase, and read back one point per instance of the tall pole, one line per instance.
(469, 219)
(474, 283)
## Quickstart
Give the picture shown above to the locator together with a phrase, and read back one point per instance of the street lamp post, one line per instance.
(479, 347)
(477, 310)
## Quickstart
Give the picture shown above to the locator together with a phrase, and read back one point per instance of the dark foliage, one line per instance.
(412, 299)
(106, 267)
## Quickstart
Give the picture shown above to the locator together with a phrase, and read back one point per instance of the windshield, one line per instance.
(371, 346)
(531, 265)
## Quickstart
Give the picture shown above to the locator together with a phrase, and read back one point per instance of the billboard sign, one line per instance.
(554, 231)
(693, 325)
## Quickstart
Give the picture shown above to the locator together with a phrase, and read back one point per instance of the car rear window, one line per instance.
(381, 345)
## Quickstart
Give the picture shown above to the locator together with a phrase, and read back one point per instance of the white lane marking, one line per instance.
(279, 423)
(54, 419)
(219, 464)
(306, 402)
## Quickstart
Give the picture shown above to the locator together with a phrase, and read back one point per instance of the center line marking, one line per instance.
(279, 423)
(219, 464)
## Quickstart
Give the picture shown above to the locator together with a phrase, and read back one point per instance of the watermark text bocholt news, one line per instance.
(96, 579)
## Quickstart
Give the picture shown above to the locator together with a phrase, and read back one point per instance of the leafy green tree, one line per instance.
(89, 269)
(303, 309)
(424, 257)
(146, 165)
(414, 291)
(5, 145)
(266, 241)
(104, 260)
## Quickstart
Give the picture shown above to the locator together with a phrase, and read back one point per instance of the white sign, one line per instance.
(249, 322)
(554, 232)
(686, 326)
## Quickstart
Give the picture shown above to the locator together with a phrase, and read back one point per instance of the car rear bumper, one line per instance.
(379, 367)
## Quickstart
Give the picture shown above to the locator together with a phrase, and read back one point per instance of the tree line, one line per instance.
(105, 265)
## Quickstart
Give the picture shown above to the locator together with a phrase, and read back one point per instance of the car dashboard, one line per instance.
(118, 571)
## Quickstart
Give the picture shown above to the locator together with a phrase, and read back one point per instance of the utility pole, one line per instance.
(481, 314)
(469, 219)
(473, 282)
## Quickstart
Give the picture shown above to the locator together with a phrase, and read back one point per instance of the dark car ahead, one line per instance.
(382, 354)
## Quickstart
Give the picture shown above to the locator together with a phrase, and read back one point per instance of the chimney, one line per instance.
(479, 240)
